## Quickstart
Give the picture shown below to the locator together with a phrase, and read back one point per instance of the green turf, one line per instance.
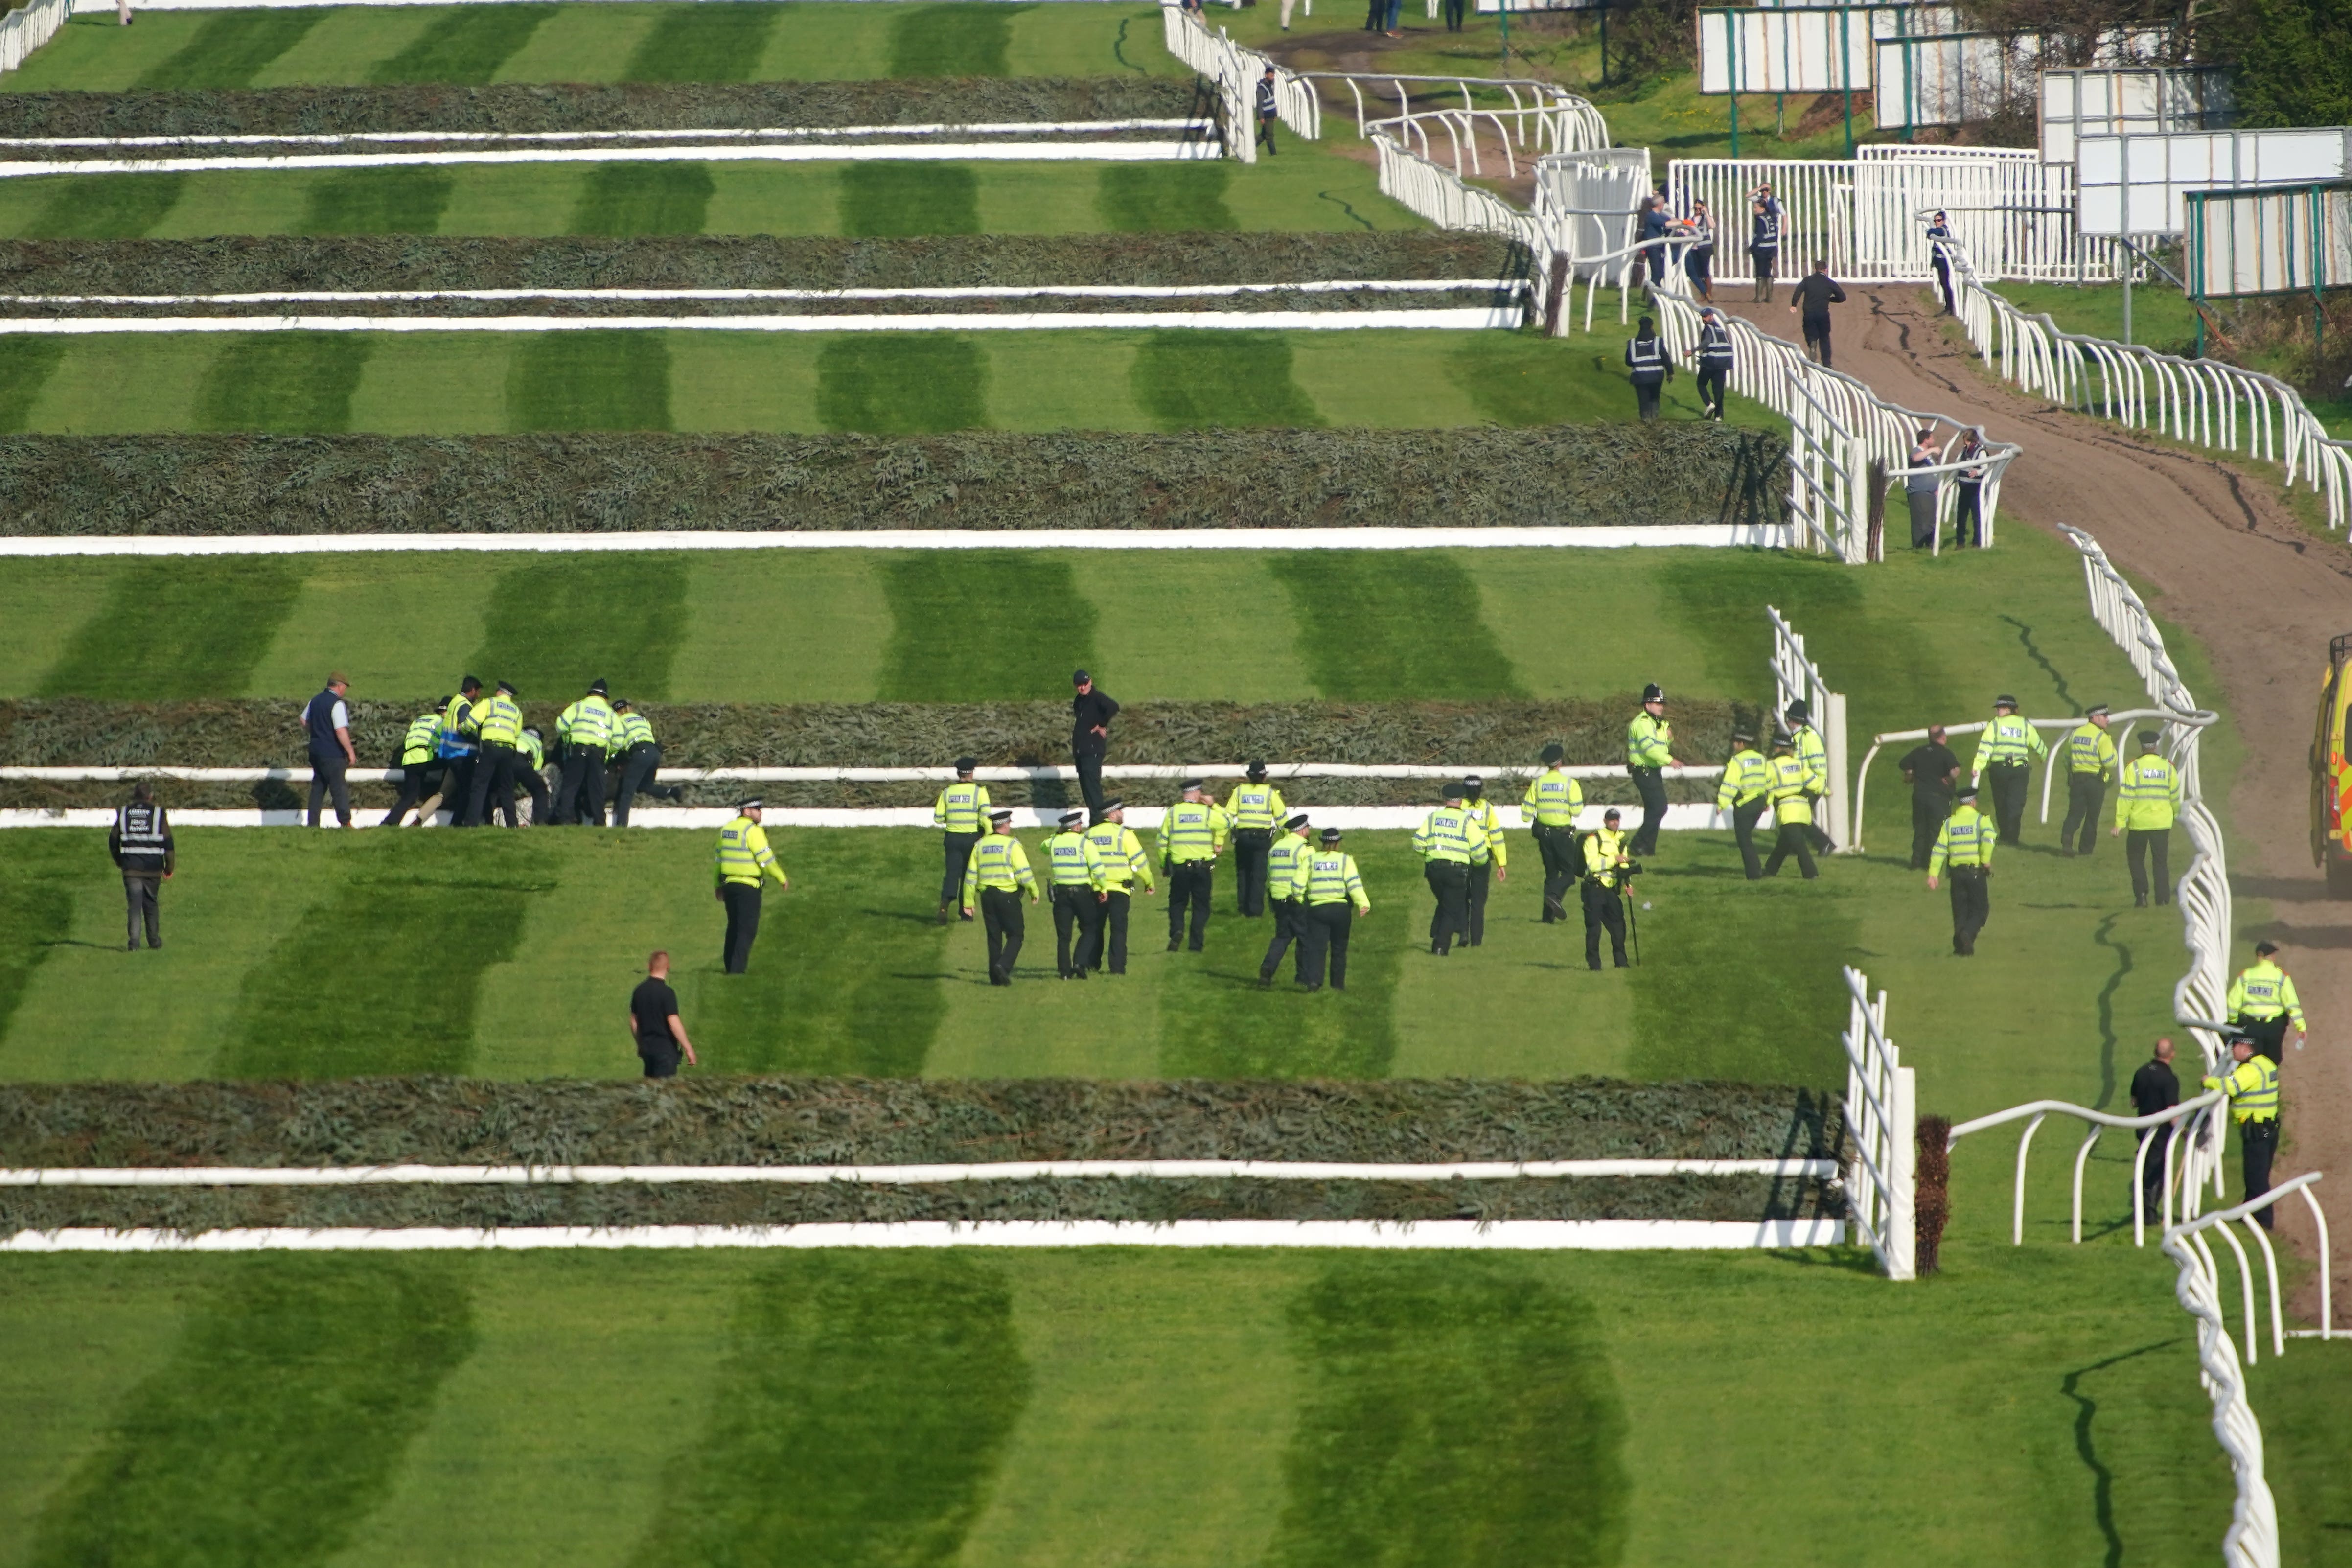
(643, 198)
(25, 366)
(902, 383)
(178, 628)
(951, 40)
(464, 46)
(952, 639)
(909, 199)
(286, 383)
(230, 50)
(550, 617)
(720, 42)
(121, 207)
(590, 381)
(36, 911)
(1223, 377)
(1165, 198)
(378, 201)
(1442, 648)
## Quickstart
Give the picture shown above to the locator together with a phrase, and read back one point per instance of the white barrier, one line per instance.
(1796, 676)
(23, 31)
(560, 138)
(1235, 73)
(1882, 1119)
(2201, 1138)
(668, 296)
(1116, 771)
(1682, 816)
(1584, 128)
(1437, 318)
(2122, 719)
(1086, 151)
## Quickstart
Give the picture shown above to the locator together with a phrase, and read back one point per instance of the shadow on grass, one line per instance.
(2102, 1487)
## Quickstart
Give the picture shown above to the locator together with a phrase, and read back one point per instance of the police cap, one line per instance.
(2097, 711)
(1783, 742)
(1966, 792)
(1449, 790)
(750, 804)
(1257, 770)
(1742, 738)
(2004, 700)
(1191, 784)
(1554, 752)
(1072, 818)
(597, 688)
(1331, 835)
(506, 687)
(1114, 804)
(2149, 739)
(2264, 949)
(1800, 711)
(1654, 692)
(999, 814)
(1295, 823)
(966, 764)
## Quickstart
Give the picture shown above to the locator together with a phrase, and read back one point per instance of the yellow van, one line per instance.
(2331, 777)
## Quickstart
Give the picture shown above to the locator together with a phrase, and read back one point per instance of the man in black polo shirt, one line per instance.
(2154, 1089)
(1091, 712)
(1930, 769)
(1811, 301)
(654, 1023)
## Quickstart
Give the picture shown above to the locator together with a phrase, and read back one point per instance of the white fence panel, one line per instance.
(2134, 184)
(22, 32)
(2112, 101)
(1882, 1120)
(1974, 76)
(1795, 677)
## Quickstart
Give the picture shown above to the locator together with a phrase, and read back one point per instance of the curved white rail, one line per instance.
(2202, 1138)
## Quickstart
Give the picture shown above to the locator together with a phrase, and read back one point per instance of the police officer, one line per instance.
(460, 751)
(499, 723)
(994, 882)
(1123, 861)
(1713, 355)
(584, 731)
(2145, 807)
(327, 729)
(1649, 750)
(1814, 753)
(1964, 847)
(531, 772)
(1191, 837)
(1606, 856)
(141, 845)
(1494, 868)
(960, 813)
(1074, 871)
(1792, 809)
(2252, 1085)
(1647, 364)
(2090, 764)
(1330, 892)
(1281, 862)
(1448, 840)
(1254, 808)
(2005, 748)
(1746, 790)
(741, 866)
(638, 757)
(2263, 1003)
(418, 765)
(1550, 807)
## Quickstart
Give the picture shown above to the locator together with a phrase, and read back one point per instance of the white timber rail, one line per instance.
(1583, 128)
(2121, 720)
(23, 31)
(1881, 1120)
(1038, 774)
(1795, 677)
(1235, 72)
(2193, 1155)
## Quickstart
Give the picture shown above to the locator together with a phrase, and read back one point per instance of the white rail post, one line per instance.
(1902, 1165)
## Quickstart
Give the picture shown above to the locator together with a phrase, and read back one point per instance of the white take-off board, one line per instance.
(2287, 240)
(2109, 101)
(1802, 49)
(2134, 184)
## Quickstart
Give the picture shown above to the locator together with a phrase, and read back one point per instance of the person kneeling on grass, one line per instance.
(654, 1024)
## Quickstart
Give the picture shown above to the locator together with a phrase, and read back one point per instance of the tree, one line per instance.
(2293, 59)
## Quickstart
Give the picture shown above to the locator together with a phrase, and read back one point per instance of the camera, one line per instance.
(1629, 870)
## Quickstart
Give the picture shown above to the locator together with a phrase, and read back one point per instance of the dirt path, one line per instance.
(2243, 575)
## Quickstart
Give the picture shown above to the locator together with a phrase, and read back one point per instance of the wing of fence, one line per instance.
(23, 31)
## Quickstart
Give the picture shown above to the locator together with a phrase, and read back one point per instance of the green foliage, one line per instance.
(595, 381)
(283, 382)
(954, 638)
(643, 198)
(2293, 59)
(107, 206)
(176, 629)
(1168, 198)
(951, 40)
(231, 50)
(888, 200)
(376, 201)
(553, 617)
(1441, 649)
(1219, 378)
(464, 46)
(712, 42)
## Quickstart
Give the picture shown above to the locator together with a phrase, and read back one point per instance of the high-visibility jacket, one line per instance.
(1966, 839)
(1648, 742)
(2264, 991)
(962, 807)
(2252, 1088)
(457, 727)
(423, 739)
(997, 862)
(630, 729)
(1123, 859)
(1792, 791)
(1073, 862)
(1646, 358)
(1553, 799)
(2008, 741)
(499, 721)
(1193, 830)
(1746, 777)
(1450, 833)
(587, 722)
(1815, 754)
(2150, 795)
(1329, 876)
(1255, 806)
(1492, 821)
(1283, 859)
(743, 854)
(534, 755)
(2091, 750)
(1605, 854)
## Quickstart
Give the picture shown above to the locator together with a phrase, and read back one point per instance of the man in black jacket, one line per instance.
(1091, 712)
(2154, 1089)
(1813, 298)
(1932, 770)
(141, 843)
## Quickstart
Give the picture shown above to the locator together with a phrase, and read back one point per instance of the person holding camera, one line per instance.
(1607, 868)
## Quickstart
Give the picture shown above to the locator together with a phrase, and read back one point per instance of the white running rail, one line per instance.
(1041, 774)
(1236, 72)
(1796, 676)
(2202, 1140)
(2123, 720)
(22, 32)
(1881, 1120)
(1585, 129)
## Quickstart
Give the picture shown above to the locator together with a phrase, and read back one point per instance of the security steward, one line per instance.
(1254, 808)
(1713, 353)
(2263, 1003)
(1074, 871)
(499, 723)
(1281, 862)
(1330, 892)
(1792, 809)
(961, 813)
(1931, 769)
(992, 883)
(1449, 841)
(1964, 847)
(2252, 1085)
(460, 751)
(530, 770)
(141, 845)
(584, 732)
(2090, 765)
(1746, 791)
(1647, 367)
(742, 864)
(1496, 868)
(1649, 751)
(1123, 861)
(1550, 807)
(2006, 748)
(1606, 856)
(1191, 837)
(419, 766)
(637, 756)
(2145, 807)
(1815, 752)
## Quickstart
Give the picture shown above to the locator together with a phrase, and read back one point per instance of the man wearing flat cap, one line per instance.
(2007, 750)
(2090, 764)
(2145, 807)
(992, 883)
(1091, 711)
(743, 863)
(1191, 837)
(961, 813)
(1964, 852)
(1074, 871)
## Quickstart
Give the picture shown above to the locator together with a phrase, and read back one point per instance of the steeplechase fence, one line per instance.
(23, 31)
(1882, 1121)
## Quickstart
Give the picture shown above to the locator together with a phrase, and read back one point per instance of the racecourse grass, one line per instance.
(25, 366)
(902, 384)
(550, 618)
(1188, 379)
(233, 48)
(951, 40)
(378, 201)
(463, 46)
(286, 383)
(1165, 198)
(950, 633)
(120, 206)
(1443, 650)
(717, 42)
(643, 198)
(179, 628)
(590, 381)
(36, 915)
(912, 198)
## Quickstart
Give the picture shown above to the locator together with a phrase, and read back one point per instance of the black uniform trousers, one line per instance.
(327, 776)
(1971, 905)
(1473, 910)
(1449, 881)
(638, 765)
(581, 796)
(1944, 284)
(1323, 935)
(1454, 12)
(1188, 885)
(1650, 784)
(1930, 807)
(2138, 842)
(1712, 382)
(1743, 815)
(1289, 926)
(1604, 909)
(414, 780)
(2257, 1147)
(660, 1062)
(1557, 847)
(534, 784)
(1967, 517)
(2151, 1173)
(742, 923)
(1647, 384)
(2086, 799)
(2009, 782)
(1250, 845)
(1090, 767)
(1078, 913)
(494, 781)
(2268, 1034)
(1001, 917)
(1794, 838)
(958, 857)
(1110, 931)
(139, 891)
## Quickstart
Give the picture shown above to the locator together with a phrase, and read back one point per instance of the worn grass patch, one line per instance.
(1435, 643)
(590, 381)
(715, 41)
(643, 198)
(961, 634)
(285, 383)
(951, 40)
(378, 201)
(1185, 379)
(230, 50)
(25, 366)
(179, 629)
(555, 625)
(106, 207)
(1164, 198)
(901, 383)
(898, 200)
(465, 47)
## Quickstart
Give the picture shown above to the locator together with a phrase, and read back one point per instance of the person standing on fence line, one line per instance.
(327, 730)
(961, 813)
(1289, 850)
(1091, 711)
(2252, 1085)
(1123, 860)
(1646, 359)
(2006, 750)
(1549, 807)
(1255, 809)
(1921, 487)
(1698, 261)
(1931, 770)
(1269, 110)
(1746, 789)
(1964, 847)
(1649, 751)
(2145, 807)
(1939, 235)
(1713, 352)
(742, 867)
(2090, 764)
(2155, 1089)
(654, 1024)
(1764, 238)
(2263, 1003)
(1813, 298)
(1968, 516)
(141, 845)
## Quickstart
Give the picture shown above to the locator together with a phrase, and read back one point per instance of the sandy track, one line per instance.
(2238, 570)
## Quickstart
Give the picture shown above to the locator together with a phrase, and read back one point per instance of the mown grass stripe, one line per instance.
(1187, 379)
(951, 40)
(36, 900)
(280, 1421)
(106, 207)
(1432, 641)
(983, 625)
(1744, 994)
(287, 384)
(862, 1414)
(1164, 198)
(178, 629)
(555, 625)
(230, 50)
(623, 199)
(900, 200)
(713, 41)
(378, 201)
(901, 383)
(1456, 1412)
(464, 47)
(25, 367)
(590, 381)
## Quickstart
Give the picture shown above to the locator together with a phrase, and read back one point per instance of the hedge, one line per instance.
(1569, 475)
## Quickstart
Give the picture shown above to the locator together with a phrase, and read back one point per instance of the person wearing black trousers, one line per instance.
(1932, 771)
(1091, 711)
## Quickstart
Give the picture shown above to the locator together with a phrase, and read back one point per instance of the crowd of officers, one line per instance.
(2262, 1004)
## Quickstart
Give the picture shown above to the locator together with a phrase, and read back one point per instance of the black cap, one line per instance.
(1783, 742)
(1612, 815)
(531, 730)
(506, 687)
(1449, 790)
(1472, 783)
(750, 804)
(1113, 804)
(2264, 949)
(2149, 739)
(1295, 823)
(999, 814)
(1553, 752)
(2097, 708)
(1072, 818)
(1966, 792)
(1800, 711)
(1191, 784)
(2004, 700)
(966, 764)
(1654, 692)
(620, 705)
(597, 688)
(1331, 835)
(1079, 677)
(1257, 770)
(1742, 738)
